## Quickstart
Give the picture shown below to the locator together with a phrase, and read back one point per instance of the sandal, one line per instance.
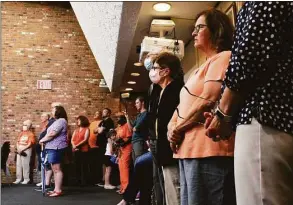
(56, 194)
(50, 192)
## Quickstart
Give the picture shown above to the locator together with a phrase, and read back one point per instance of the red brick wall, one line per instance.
(45, 41)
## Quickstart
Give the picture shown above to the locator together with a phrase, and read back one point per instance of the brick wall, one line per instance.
(45, 41)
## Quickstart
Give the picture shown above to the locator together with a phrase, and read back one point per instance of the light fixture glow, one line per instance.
(128, 89)
(135, 74)
(161, 7)
(138, 64)
(131, 82)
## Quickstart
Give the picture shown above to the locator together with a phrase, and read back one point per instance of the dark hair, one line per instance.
(108, 109)
(121, 120)
(221, 28)
(141, 99)
(84, 122)
(171, 61)
(60, 112)
(111, 133)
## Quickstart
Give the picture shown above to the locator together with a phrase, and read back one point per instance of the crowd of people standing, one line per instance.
(203, 142)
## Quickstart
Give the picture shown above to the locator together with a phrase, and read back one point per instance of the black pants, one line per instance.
(94, 166)
(82, 167)
(100, 161)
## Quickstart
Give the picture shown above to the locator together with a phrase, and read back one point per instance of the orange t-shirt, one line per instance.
(124, 133)
(93, 136)
(195, 143)
(79, 135)
(25, 138)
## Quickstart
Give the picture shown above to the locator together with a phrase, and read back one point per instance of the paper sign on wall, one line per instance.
(44, 84)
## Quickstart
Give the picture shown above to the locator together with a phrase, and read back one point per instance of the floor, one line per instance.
(25, 195)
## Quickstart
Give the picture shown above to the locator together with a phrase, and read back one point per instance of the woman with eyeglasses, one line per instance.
(206, 167)
(167, 76)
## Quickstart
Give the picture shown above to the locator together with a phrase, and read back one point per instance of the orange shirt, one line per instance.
(79, 135)
(25, 138)
(196, 144)
(124, 133)
(93, 136)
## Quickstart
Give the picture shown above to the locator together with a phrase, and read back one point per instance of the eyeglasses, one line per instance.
(198, 27)
(157, 67)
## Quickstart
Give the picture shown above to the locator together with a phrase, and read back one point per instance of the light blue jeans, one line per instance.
(207, 181)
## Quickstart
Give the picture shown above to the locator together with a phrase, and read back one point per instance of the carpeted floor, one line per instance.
(25, 195)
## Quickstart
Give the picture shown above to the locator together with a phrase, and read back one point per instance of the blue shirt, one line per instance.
(141, 126)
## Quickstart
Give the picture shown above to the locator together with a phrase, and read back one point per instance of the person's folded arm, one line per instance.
(213, 81)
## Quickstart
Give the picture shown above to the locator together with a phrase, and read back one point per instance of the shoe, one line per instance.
(109, 187)
(100, 184)
(47, 188)
(17, 181)
(137, 196)
(55, 194)
(39, 184)
(25, 182)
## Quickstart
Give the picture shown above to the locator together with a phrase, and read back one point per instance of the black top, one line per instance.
(163, 110)
(102, 137)
(261, 63)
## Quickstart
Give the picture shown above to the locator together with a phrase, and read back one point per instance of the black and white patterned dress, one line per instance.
(261, 65)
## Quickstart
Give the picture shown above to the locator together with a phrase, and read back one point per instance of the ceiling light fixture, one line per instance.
(161, 7)
(128, 89)
(135, 74)
(131, 82)
(138, 64)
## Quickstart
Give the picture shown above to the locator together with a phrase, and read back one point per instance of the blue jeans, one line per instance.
(208, 181)
(141, 179)
(55, 156)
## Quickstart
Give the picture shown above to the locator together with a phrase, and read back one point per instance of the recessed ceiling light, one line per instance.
(138, 64)
(135, 74)
(131, 82)
(162, 7)
(128, 89)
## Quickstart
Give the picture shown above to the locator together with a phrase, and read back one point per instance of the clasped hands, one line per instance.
(216, 129)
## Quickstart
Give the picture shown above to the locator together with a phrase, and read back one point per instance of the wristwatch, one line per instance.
(222, 116)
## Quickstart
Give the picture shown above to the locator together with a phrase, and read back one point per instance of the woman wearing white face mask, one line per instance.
(167, 77)
(24, 151)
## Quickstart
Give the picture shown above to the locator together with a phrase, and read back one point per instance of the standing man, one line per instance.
(139, 128)
(94, 149)
(104, 127)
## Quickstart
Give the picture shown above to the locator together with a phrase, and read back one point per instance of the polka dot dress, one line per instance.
(261, 65)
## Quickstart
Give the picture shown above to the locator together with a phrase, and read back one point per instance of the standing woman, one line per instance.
(206, 167)
(124, 160)
(55, 144)
(167, 77)
(24, 145)
(80, 147)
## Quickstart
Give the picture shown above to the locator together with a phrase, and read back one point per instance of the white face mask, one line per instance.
(24, 128)
(148, 64)
(155, 76)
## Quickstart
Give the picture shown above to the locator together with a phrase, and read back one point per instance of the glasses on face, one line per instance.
(157, 67)
(198, 27)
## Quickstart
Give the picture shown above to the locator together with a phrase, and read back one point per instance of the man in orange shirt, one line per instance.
(24, 151)
(93, 151)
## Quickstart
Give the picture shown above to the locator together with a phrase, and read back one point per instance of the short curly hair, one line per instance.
(84, 121)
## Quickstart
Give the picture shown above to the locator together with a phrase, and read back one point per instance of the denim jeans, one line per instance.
(141, 179)
(207, 181)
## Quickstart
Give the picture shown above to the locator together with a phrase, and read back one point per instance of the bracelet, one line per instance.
(222, 116)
